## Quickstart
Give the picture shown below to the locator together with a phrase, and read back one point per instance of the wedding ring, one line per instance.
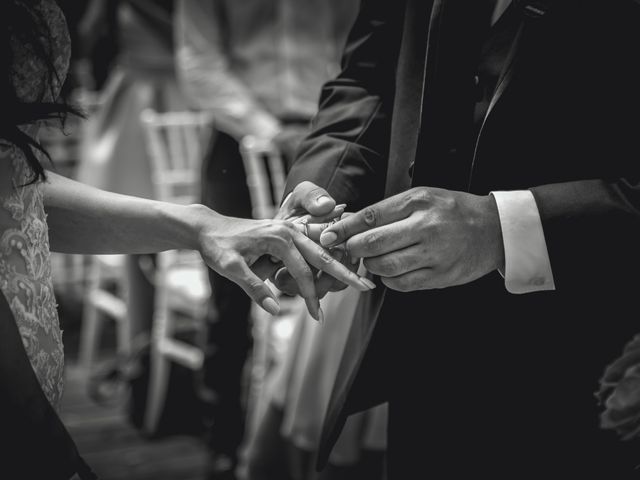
(306, 229)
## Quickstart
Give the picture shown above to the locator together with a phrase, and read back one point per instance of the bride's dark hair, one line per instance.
(21, 21)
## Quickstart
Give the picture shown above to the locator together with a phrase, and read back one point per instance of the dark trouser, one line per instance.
(229, 342)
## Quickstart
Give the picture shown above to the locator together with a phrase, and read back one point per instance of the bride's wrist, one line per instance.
(191, 222)
(201, 221)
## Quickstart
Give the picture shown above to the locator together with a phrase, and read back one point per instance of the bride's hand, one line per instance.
(243, 251)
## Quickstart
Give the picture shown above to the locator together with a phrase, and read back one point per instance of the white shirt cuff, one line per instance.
(527, 265)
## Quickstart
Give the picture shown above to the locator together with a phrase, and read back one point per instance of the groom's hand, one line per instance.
(312, 201)
(307, 199)
(424, 238)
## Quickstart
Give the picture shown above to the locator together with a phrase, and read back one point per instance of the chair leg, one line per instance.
(257, 398)
(159, 365)
(124, 331)
(89, 337)
(158, 386)
(91, 322)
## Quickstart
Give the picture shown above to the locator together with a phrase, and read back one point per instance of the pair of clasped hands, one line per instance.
(423, 238)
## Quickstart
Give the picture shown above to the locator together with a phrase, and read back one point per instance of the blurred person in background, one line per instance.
(141, 75)
(258, 65)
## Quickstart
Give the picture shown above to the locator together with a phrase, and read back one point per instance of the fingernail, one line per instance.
(368, 283)
(320, 316)
(270, 305)
(342, 206)
(328, 238)
(322, 199)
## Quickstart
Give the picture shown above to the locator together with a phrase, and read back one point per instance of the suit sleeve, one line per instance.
(592, 230)
(346, 151)
(592, 225)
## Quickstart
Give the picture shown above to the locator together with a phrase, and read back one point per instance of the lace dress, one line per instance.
(25, 267)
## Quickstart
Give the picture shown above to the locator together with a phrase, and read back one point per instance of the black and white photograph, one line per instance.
(319, 239)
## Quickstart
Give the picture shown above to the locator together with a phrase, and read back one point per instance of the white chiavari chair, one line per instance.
(175, 143)
(266, 176)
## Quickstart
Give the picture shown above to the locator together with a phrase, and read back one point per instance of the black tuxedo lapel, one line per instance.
(529, 15)
(444, 152)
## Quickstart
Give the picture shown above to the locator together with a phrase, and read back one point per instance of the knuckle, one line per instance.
(376, 266)
(434, 231)
(372, 241)
(283, 228)
(289, 231)
(341, 229)
(316, 192)
(282, 233)
(325, 257)
(306, 271)
(390, 266)
(450, 202)
(305, 274)
(418, 197)
(371, 216)
(230, 263)
(254, 284)
(302, 271)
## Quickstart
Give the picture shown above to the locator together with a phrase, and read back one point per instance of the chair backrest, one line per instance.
(265, 171)
(176, 142)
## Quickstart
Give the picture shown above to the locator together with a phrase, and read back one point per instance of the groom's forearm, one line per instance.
(83, 219)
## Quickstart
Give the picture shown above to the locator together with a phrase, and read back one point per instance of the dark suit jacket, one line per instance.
(479, 380)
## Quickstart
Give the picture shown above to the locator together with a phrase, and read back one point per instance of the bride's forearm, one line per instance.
(83, 219)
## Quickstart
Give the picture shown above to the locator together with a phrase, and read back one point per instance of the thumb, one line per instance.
(313, 199)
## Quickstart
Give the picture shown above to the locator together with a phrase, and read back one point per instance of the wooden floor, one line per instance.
(115, 450)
